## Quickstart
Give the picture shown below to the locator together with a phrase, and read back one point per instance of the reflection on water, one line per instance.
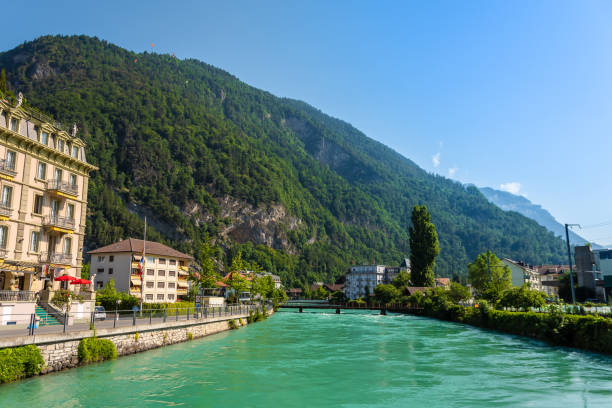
(356, 359)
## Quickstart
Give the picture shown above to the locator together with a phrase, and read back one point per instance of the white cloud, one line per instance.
(513, 187)
(452, 171)
(436, 159)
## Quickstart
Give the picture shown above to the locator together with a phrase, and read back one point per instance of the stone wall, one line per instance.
(63, 354)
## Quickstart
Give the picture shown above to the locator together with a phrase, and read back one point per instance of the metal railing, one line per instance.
(7, 167)
(17, 296)
(54, 323)
(63, 186)
(60, 222)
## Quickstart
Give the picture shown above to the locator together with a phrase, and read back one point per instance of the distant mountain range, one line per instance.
(511, 202)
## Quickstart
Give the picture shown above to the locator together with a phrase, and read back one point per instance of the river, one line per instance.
(322, 359)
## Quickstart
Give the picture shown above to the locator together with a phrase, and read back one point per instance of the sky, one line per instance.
(514, 95)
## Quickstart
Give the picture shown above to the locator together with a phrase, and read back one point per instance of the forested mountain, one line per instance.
(212, 160)
(511, 202)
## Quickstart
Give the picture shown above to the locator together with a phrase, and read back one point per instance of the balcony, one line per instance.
(62, 188)
(62, 225)
(56, 258)
(181, 291)
(17, 296)
(2, 253)
(5, 212)
(7, 169)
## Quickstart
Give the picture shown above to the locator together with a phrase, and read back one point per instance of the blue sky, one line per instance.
(515, 94)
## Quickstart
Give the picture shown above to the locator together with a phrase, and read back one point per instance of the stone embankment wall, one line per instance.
(61, 351)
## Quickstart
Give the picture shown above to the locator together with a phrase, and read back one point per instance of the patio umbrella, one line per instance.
(65, 278)
(80, 282)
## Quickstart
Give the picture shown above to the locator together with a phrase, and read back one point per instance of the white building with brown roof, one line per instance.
(165, 270)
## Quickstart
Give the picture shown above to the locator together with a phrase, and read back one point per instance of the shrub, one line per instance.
(190, 336)
(232, 324)
(93, 349)
(136, 336)
(241, 322)
(20, 362)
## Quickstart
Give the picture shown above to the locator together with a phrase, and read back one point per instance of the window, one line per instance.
(161, 273)
(60, 145)
(150, 259)
(110, 271)
(34, 241)
(100, 270)
(38, 204)
(53, 141)
(100, 259)
(54, 208)
(161, 285)
(99, 284)
(44, 138)
(162, 261)
(111, 258)
(7, 193)
(170, 297)
(14, 124)
(58, 175)
(3, 236)
(172, 262)
(160, 297)
(75, 152)
(41, 170)
(172, 273)
(149, 296)
(150, 285)
(73, 180)
(171, 285)
(70, 211)
(150, 272)
(10, 160)
(67, 246)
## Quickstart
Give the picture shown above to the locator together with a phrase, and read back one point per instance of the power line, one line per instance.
(602, 224)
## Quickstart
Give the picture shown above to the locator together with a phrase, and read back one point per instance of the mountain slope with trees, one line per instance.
(218, 165)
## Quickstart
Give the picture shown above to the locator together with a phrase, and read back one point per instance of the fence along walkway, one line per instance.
(125, 318)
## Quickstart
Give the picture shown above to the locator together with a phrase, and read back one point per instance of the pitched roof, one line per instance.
(443, 281)
(334, 286)
(136, 245)
(414, 289)
(295, 290)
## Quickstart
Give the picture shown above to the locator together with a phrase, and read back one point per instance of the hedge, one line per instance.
(20, 362)
(93, 349)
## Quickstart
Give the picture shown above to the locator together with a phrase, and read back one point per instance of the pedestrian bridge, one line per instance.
(325, 304)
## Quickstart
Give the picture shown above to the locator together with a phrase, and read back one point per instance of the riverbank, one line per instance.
(592, 333)
(59, 351)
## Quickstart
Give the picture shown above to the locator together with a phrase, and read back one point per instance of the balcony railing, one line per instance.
(59, 222)
(17, 296)
(56, 258)
(2, 253)
(63, 187)
(5, 210)
(7, 167)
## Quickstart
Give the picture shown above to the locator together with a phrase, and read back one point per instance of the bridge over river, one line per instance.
(325, 304)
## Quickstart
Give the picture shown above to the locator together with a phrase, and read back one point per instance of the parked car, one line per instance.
(99, 313)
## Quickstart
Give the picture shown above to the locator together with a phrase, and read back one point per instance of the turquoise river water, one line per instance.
(321, 359)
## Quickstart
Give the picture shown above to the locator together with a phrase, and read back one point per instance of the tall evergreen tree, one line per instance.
(424, 247)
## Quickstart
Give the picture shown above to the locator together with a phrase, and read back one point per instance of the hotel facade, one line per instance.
(43, 202)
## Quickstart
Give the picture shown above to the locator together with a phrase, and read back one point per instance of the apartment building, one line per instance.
(165, 270)
(523, 273)
(43, 201)
(361, 280)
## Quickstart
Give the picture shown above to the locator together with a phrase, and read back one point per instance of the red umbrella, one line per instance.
(65, 278)
(80, 282)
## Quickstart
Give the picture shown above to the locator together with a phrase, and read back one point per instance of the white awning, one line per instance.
(182, 284)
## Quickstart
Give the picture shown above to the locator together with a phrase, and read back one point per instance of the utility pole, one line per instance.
(143, 261)
(569, 258)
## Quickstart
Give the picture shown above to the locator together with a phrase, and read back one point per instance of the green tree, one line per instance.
(235, 280)
(320, 293)
(208, 276)
(478, 274)
(424, 247)
(338, 297)
(522, 298)
(85, 271)
(458, 293)
(402, 280)
(385, 293)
